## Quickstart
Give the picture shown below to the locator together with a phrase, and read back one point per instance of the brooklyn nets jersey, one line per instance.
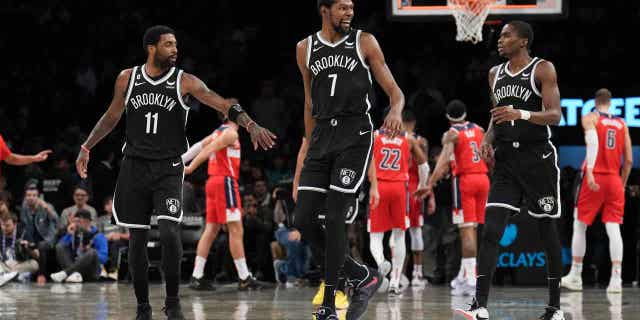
(156, 116)
(340, 78)
(520, 91)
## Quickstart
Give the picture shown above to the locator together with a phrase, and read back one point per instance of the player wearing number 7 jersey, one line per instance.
(337, 64)
(470, 188)
(151, 174)
(602, 188)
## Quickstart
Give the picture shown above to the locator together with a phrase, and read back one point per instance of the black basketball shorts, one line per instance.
(338, 157)
(526, 176)
(148, 187)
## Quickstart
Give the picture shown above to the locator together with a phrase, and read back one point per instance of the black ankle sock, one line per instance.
(141, 288)
(172, 285)
(329, 299)
(554, 292)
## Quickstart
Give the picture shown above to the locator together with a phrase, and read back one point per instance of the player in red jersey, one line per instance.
(470, 188)
(608, 141)
(416, 205)
(222, 150)
(18, 159)
(391, 157)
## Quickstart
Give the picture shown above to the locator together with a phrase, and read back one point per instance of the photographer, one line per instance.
(18, 256)
(81, 252)
(39, 219)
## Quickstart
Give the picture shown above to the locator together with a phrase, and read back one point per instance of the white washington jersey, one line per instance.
(521, 91)
(156, 116)
(340, 78)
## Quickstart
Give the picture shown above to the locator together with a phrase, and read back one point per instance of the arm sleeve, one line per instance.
(591, 139)
(423, 174)
(192, 152)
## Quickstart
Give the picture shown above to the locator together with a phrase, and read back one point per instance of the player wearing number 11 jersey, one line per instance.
(151, 174)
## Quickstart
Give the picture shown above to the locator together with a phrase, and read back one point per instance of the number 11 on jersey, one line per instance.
(155, 122)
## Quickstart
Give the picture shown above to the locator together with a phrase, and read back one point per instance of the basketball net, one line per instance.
(470, 16)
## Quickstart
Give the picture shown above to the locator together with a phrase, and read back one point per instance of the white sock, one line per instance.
(375, 246)
(576, 268)
(399, 253)
(417, 271)
(241, 267)
(469, 265)
(198, 267)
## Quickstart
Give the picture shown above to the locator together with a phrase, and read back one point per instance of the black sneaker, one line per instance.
(201, 284)
(552, 313)
(362, 293)
(251, 283)
(324, 313)
(173, 311)
(143, 312)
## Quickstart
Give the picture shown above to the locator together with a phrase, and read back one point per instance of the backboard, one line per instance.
(426, 10)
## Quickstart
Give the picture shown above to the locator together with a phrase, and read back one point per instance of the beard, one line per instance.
(163, 62)
(339, 29)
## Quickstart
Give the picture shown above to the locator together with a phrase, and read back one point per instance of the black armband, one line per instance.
(234, 111)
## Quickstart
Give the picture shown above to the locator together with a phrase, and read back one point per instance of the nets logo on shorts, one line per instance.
(173, 205)
(547, 204)
(347, 176)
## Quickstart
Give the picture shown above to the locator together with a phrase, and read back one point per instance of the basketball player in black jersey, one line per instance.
(526, 178)
(335, 64)
(151, 174)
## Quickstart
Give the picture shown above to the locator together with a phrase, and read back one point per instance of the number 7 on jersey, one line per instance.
(334, 76)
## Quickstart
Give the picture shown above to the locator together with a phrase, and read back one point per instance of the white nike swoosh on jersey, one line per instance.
(176, 164)
(171, 83)
(364, 132)
(138, 83)
(544, 156)
(526, 74)
(318, 48)
(348, 43)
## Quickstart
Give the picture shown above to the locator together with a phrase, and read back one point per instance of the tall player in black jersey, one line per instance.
(151, 174)
(335, 64)
(526, 101)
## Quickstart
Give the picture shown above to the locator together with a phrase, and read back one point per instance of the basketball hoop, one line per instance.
(470, 16)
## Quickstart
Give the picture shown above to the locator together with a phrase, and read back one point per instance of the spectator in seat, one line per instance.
(117, 237)
(39, 219)
(18, 256)
(261, 193)
(82, 252)
(80, 199)
(258, 226)
(290, 255)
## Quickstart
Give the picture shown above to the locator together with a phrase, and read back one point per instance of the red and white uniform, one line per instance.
(610, 198)
(470, 181)
(391, 157)
(4, 150)
(223, 197)
(416, 206)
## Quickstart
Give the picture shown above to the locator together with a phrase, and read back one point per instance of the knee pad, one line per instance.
(341, 207)
(579, 226)
(416, 239)
(169, 230)
(309, 206)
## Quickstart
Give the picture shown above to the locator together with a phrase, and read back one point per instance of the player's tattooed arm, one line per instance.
(301, 58)
(628, 157)
(373, 55)
(192, 85)
(302, 154)
(106, 123)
